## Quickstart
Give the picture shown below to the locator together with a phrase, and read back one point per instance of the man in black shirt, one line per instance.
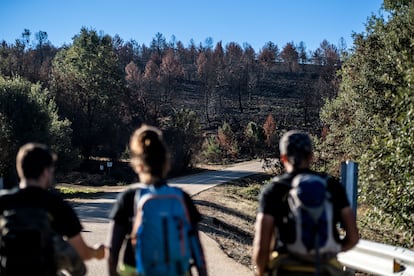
(271, 230)
(35, 167)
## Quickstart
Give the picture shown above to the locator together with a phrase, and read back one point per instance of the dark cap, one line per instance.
(296, 144)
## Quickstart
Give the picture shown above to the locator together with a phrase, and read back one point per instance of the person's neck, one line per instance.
(30, 183)
(290, 168)
(148, 179)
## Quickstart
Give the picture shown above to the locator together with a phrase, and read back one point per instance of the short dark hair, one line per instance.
(32, 159)
(296, 145)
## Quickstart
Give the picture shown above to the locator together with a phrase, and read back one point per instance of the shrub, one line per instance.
(227, 140)
(211, 151)
(182, 133)
(29, 114)
(253, 139)
(269, 128)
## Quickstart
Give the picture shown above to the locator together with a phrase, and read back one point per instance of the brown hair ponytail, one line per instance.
(148, 149)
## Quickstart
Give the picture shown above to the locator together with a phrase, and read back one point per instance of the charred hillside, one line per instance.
(294, 99)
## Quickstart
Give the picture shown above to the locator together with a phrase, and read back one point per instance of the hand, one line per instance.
(100, 250)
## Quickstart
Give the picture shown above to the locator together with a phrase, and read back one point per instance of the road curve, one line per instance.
(94, 217)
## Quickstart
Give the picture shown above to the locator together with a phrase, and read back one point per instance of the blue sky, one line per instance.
(253, 21)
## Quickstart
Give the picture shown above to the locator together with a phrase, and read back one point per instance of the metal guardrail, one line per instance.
(379, 259)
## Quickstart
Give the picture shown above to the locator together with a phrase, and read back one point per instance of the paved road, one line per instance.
(94, 214)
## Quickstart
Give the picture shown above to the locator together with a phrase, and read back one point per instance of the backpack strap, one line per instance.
(136, 222)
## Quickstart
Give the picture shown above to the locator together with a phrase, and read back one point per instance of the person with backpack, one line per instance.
(153, 225)
(34, 220)
(296, 229)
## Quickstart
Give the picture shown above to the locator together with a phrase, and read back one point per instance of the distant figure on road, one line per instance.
(33, 221)
(296, 225)
(149, 222)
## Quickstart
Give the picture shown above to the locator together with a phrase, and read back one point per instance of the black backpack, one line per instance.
(26, 243)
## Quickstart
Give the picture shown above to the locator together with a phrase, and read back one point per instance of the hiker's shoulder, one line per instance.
(331, 180)
(281, 179)
(277, 185)
(130, 190)
(7, 196)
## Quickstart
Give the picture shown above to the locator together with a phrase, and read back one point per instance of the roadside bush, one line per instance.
(211, 151)
(269, 128)
(253, 143)
(29, 114)
(6, 144)
(370, 121)
(227, 141)
(182, 133)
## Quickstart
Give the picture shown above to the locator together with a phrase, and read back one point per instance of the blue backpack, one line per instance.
(163, 232)
(311, 213)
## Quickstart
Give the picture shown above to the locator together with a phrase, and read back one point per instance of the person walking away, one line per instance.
(296, 224)
(34, 220)
(150, 219)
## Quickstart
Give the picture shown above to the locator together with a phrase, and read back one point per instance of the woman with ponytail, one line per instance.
(150, 160)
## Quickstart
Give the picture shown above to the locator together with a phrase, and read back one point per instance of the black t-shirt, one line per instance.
(122, 214)
(272, 201)
(64, 220)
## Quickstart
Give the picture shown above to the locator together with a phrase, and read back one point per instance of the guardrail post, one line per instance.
(1, 182)
(349, 178)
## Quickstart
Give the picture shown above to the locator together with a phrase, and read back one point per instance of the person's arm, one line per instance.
(195, 216)
(198, 253)
(351, 230)
(264, 231)
(85, 251)
(117, 236)
(66, 223)
(119, 228)
(345, 214)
